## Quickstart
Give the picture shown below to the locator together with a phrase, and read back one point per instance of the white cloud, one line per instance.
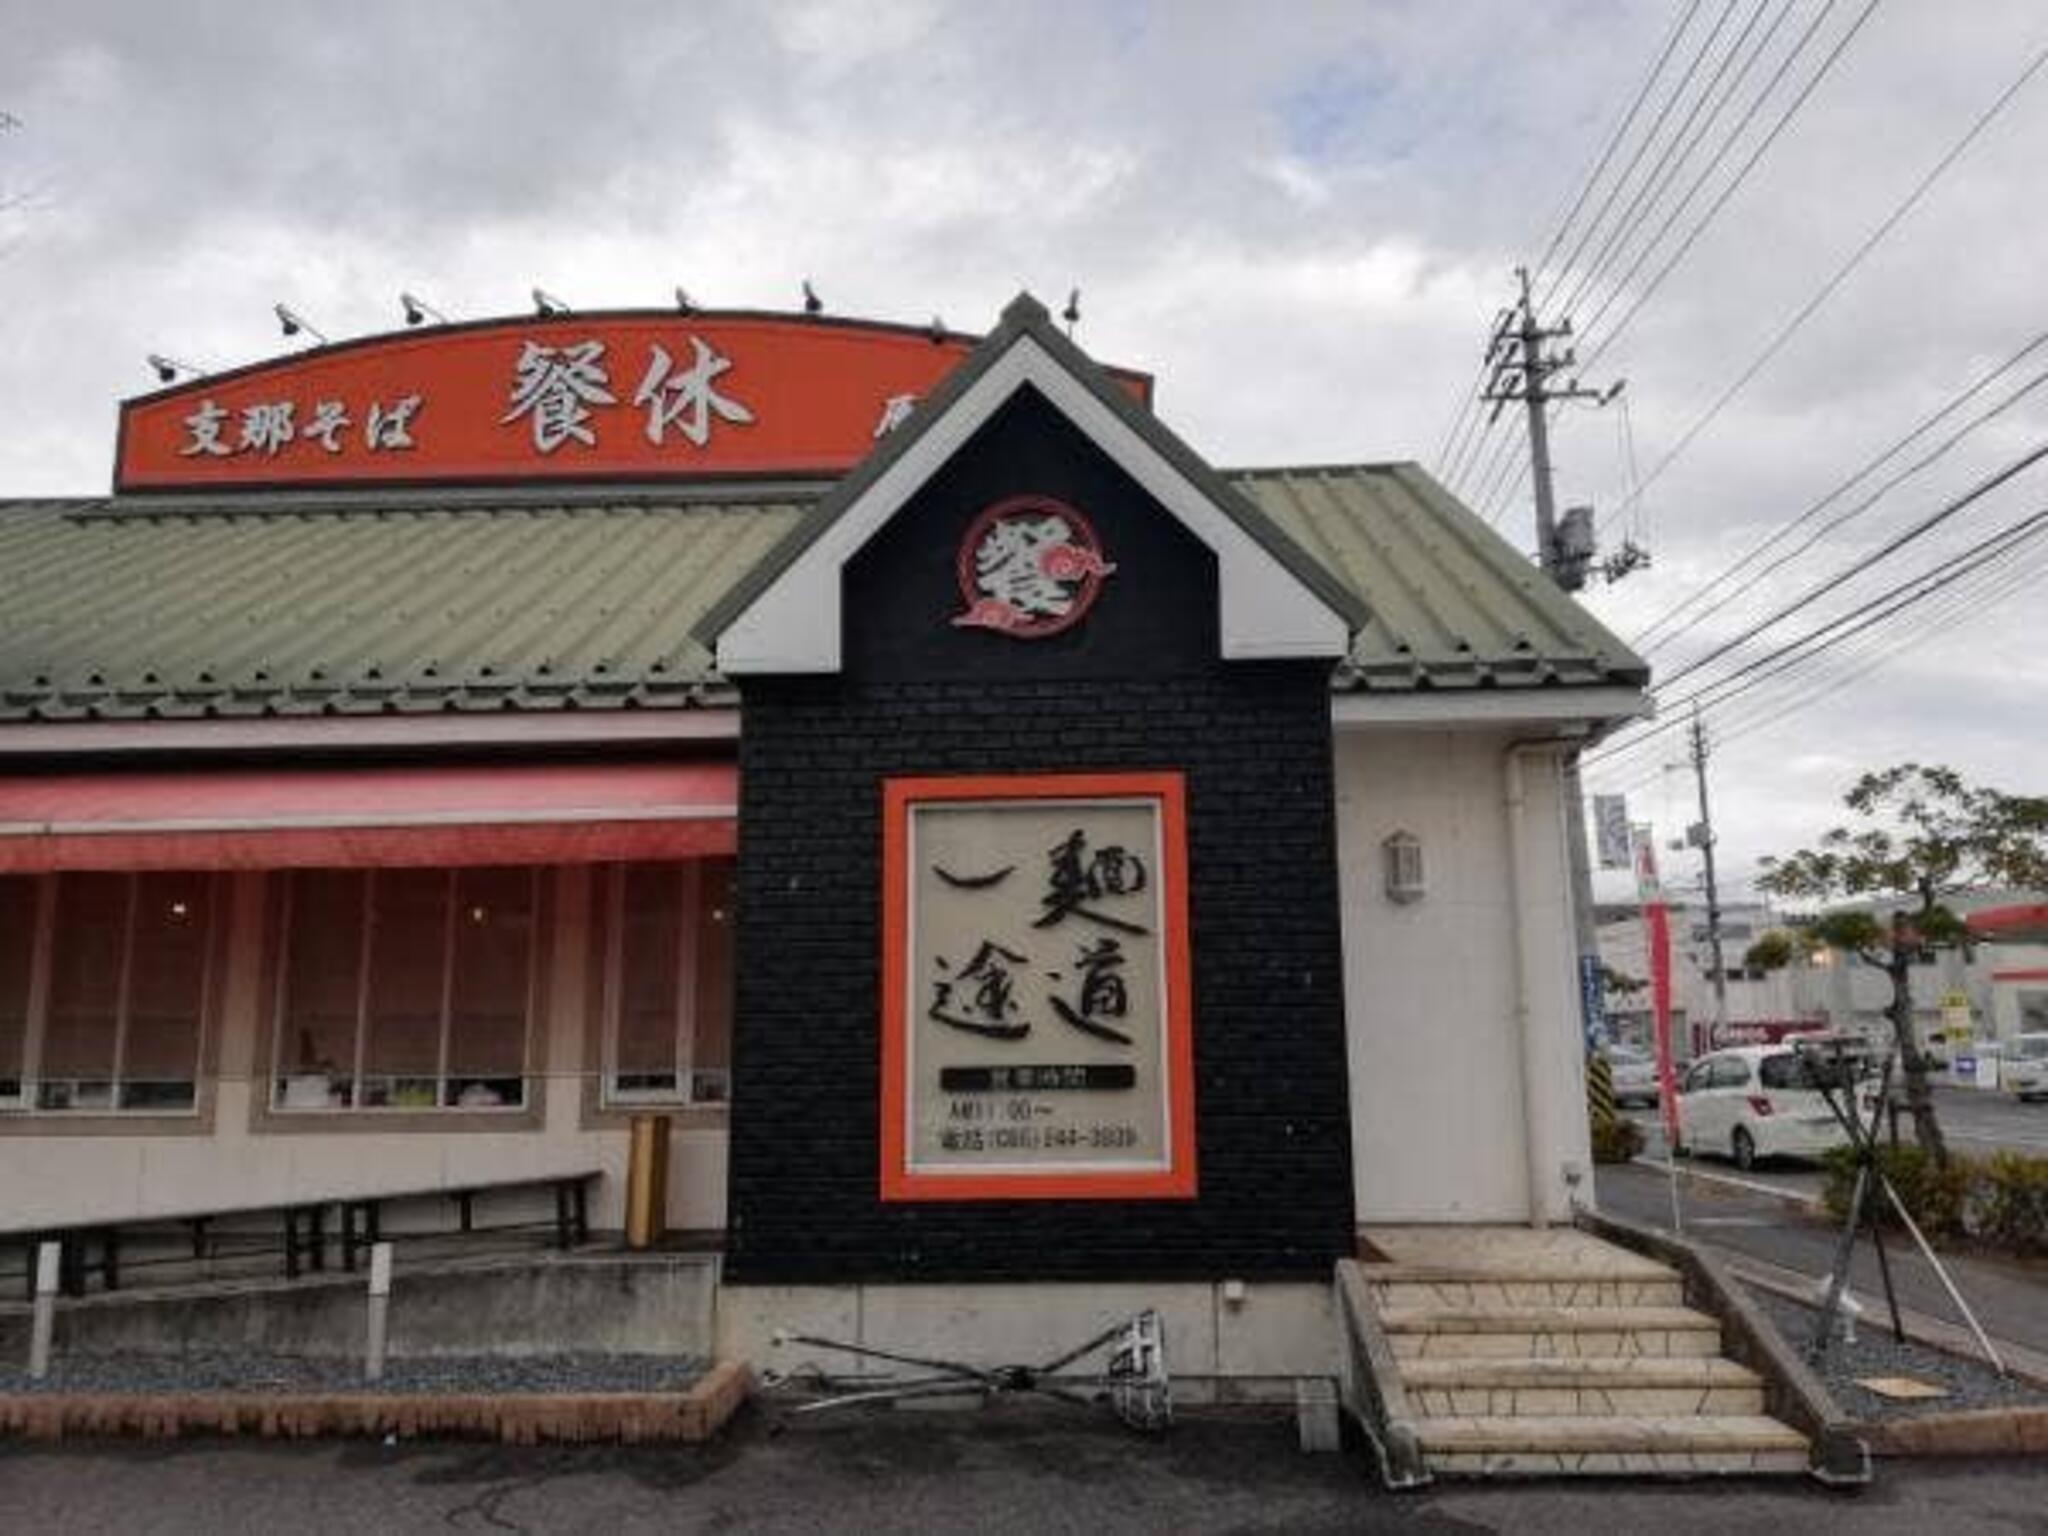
(1302, 218)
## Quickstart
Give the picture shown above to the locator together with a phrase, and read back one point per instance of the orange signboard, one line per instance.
(1036, 1003)
(623, 396)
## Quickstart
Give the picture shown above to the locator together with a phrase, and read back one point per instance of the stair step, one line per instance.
(1500, 1446)
(1505, 1290)
(1616, 1265)
(1548, 1332)
(1655, 1387)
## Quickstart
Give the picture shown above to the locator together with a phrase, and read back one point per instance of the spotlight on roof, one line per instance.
(813, 305)
(291, 323)
(1072, 313)
(419, 312)
(937, 329)
(545, 303)
(685, 305)
(168, 368)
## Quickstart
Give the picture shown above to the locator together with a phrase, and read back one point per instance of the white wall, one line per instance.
(1439, 1130)
(61, 1178)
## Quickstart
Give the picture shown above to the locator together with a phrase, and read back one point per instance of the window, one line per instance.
(406, 989)
(668, 983)
(1731, 1072)
(103, 983)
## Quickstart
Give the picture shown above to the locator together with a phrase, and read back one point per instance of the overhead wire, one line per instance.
(1734, 136)
(1656, 128)
(1592, 177)
(1916, 531)
(1840, 276)
(1665, 630)
(1968, 601)
(1684, 140)
(1842, 627)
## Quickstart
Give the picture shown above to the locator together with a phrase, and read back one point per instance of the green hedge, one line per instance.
(1999, 1201)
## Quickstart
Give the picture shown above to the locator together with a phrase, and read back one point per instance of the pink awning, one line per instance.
(548, 813)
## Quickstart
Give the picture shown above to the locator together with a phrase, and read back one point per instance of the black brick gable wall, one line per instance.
(1136, 686)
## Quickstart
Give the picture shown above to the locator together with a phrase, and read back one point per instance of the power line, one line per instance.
(1863, 563)
(1967, 601)
(1756, 156)
(1656, 127)
(1728, 143)
(1841, 275)
(1664, 623)
(1621, 131)
(1680, 148)
(1845, 626)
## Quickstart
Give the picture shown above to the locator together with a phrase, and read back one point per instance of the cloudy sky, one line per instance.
(1301, 217)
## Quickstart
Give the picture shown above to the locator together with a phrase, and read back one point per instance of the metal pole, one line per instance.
(1947, 1284)
(1536, 399)
(43, 1327)
(1534, 392)
(379, 1322)
(1706, 846)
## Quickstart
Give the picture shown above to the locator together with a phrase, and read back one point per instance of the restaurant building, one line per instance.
(1010, 849)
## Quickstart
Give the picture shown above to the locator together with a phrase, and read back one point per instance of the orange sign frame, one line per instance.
(1178, 1180)
(665, 395)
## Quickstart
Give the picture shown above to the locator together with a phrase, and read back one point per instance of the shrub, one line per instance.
(1939, 1199)
(2000, 1201)
(1617, 1140)
(2012, 1203)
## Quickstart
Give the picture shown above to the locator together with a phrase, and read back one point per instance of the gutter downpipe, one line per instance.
(1536, 1147)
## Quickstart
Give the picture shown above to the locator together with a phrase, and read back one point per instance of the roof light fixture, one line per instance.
(168, 368)
(419, 312)
(291, 323)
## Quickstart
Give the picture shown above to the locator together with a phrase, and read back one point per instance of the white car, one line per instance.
(2023, 1068)
(1758, 1101)
(1635, 1076)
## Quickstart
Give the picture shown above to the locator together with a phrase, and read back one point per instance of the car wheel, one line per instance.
(1745, 1149)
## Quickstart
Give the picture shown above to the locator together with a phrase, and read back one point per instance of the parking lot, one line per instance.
(1974, 1120)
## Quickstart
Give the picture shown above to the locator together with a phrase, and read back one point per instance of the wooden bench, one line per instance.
(359, 1221)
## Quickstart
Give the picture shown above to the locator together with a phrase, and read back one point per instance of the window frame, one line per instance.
(273, 1102)
(611, 967)
(27, 1101)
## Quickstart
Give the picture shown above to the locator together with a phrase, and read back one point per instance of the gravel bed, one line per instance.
(1971, 1383)
(289, 1374)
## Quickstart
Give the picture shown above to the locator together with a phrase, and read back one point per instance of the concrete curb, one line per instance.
(1968, 1432)
(2029, 1365)
(1687, 1171)
(517, 1418)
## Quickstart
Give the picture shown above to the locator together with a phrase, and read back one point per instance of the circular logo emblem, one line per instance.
(1030, 566)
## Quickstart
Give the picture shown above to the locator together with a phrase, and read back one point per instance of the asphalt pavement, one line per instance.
(991, 1472)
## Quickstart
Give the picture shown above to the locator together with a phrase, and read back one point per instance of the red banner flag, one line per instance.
(1657, 921)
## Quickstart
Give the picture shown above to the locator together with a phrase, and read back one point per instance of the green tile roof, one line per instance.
(389, 602)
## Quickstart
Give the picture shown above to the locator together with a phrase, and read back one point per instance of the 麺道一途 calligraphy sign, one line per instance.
(1036, 1019)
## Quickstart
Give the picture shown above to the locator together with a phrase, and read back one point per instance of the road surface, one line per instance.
(993, 1473)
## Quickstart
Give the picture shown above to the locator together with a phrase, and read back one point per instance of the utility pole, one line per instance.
(1701, 836)
(1523, 365)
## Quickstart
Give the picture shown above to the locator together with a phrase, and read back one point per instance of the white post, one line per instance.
(380, 1306)
(43, 1327)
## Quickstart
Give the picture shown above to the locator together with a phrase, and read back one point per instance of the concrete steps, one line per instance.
(1582, 1388)
(1548, 1333)
(1516, 1446)
(1523, 1354)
